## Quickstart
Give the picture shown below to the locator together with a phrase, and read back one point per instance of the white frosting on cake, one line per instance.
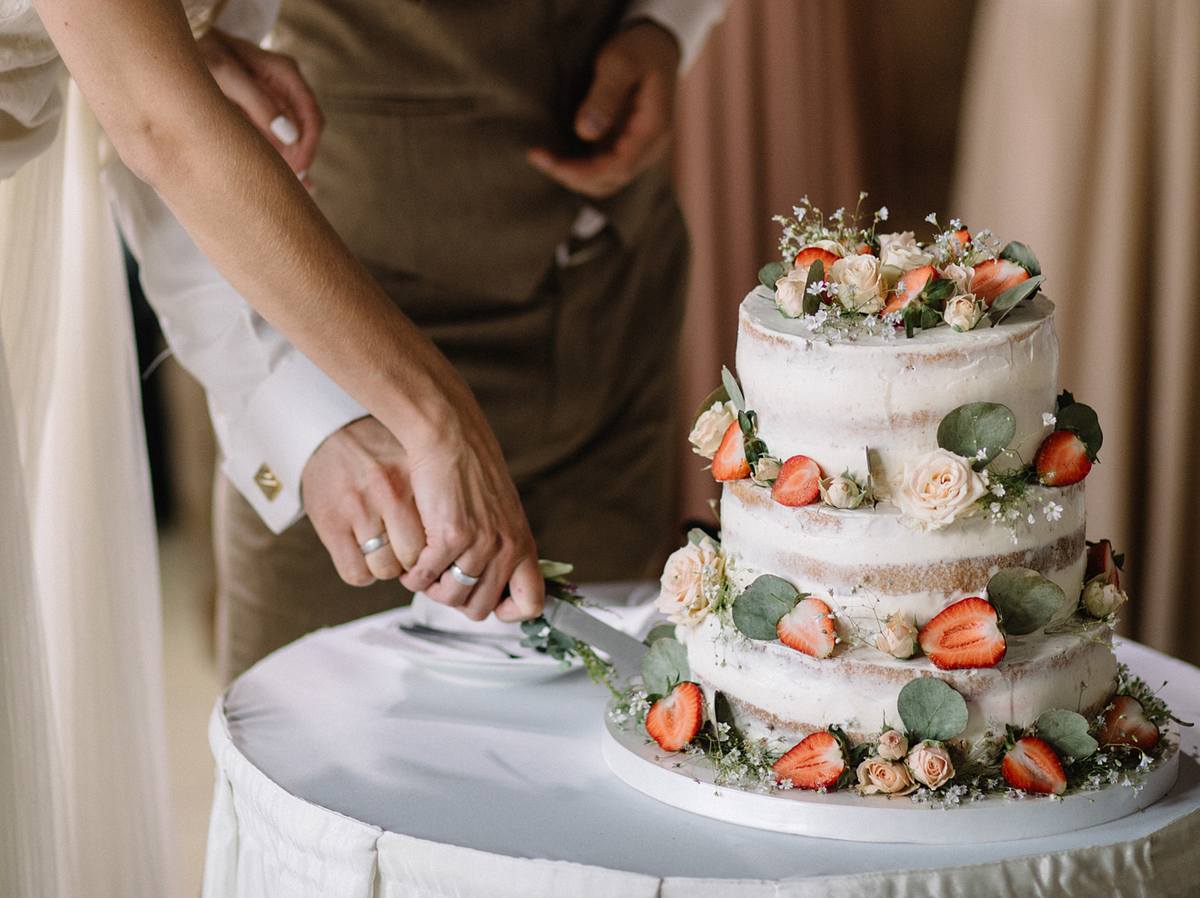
(782, 694)
(873, 563)
(831, 399)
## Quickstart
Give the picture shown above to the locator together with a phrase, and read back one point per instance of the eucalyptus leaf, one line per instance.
(732, 390)
(1025, 599)
(1067, 732)
(757, 611)
(662, 631)
(723, 712)
(770, 273)
(720, 394)
(1082, 420)
(1023, 256)
(554, 570)
(698, 535)
(989, 426)
(664, 666)
(816, 274)
(938, 290)
(931, 709)
(1013, 297)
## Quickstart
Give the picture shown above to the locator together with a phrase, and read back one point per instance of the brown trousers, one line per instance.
(581, 390)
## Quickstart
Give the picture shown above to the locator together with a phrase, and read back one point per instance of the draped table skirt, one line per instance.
(343, 771)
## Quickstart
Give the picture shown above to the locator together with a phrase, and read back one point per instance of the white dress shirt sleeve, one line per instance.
(690, 21)
(271, 407)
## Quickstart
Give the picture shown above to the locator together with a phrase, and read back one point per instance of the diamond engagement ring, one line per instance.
(374, 544)
(461, 576)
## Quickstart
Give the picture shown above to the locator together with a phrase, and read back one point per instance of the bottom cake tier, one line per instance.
(782, 695)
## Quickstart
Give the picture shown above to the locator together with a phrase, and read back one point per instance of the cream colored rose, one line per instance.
(898, 637)
(690, 580)
(938, 489)
(710, 427)
(789, 292)
(964, 311)
(1101, 598)
(859, 283)
(893, 745)
(879, 775)
(930, 764)
(901, 251)
(960, 276)
(766, 470)
(842, 491)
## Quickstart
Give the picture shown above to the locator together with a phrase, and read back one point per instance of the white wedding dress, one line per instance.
(83, 801)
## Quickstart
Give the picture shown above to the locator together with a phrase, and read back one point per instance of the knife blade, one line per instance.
(624, 651)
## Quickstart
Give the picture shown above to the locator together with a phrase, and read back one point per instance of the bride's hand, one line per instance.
(473, 519)
(272, 93)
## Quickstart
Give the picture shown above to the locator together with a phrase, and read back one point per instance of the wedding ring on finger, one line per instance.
(374, 544)
(462, 577)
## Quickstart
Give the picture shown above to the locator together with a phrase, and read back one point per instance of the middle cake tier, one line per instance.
(871, 563)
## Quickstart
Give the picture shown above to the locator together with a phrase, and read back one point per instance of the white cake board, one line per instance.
(687, 783)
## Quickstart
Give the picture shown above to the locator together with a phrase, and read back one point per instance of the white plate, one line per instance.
(687, 783)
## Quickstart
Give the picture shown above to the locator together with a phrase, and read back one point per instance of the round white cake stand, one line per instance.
(686, 782)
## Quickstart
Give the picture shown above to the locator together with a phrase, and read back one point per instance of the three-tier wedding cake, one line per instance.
(901, 598)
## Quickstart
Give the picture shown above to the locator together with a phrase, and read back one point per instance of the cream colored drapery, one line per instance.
(1081, 132)
(82, 742)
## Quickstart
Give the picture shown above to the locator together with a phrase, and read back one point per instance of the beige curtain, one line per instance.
(1075, 127)
(1081, 131)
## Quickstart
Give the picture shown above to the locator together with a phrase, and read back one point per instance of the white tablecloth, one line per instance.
(344, 772)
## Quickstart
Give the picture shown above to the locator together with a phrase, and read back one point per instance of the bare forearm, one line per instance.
(138, 67)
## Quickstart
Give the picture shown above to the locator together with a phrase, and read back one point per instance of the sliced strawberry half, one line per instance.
(964, 635)
(1032, 766)
(1125, 723)
(1062, 459)
(674, 720)
(994, 276)
(811, 254)
(909, 287)
(815, 762)
(1101, 560)
(730, 461)
(962, 237)
(798, 483)
(809, 628)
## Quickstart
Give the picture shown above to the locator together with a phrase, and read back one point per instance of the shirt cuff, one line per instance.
(287, 418)
(689, 21)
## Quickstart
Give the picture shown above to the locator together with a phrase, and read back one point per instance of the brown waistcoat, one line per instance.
(431, 106)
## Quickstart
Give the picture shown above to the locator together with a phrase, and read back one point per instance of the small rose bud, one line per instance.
(963, 312)
(710, 427)
(898, 637)
(893, 745)
(930, 764)
(765, 471)
(842, 491)
(789, 292)
(1101, 598)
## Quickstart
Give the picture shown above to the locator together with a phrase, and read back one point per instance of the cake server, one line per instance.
(624, 651)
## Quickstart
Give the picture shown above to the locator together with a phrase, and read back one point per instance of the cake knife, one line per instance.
(624, 651)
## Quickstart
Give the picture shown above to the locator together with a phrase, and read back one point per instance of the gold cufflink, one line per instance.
(267, 482)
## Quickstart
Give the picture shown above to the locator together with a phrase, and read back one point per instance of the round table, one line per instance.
(344, 771)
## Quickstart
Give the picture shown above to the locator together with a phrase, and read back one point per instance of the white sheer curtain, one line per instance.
(82, 743)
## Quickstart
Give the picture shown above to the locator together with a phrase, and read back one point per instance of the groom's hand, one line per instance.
(626, 115)
(356, 487)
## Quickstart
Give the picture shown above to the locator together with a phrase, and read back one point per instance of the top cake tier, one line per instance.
(832, 398)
